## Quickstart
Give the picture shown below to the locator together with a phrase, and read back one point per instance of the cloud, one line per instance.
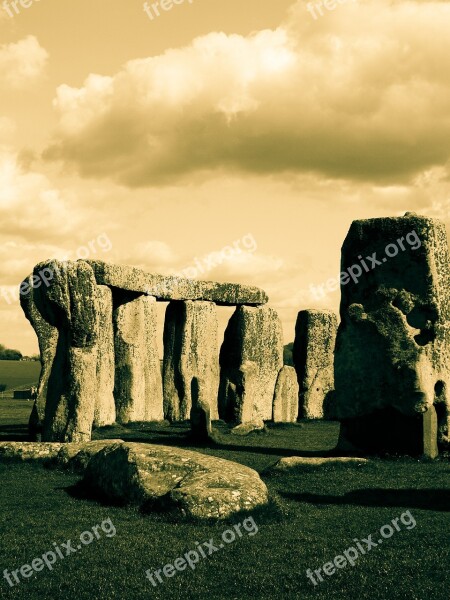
(151, 255)
(30, 205)
(360, 93)
(21, 63)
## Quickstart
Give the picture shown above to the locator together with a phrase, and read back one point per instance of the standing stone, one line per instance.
(138, 383)
(313, 353)
(430, 433)
(31, 301)
(64, 409)
(105, 409)
(285, 401)
(392, 351)
(251, 357)
(200, 414)
(190, 352)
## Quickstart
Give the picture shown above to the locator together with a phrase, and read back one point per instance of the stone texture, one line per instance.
(392, 350)
(285, 400)
(175, 288)
(165, 477)
(71, 455)
(105, 408)
(200, 415)
(138, 382)
(65, 406)
(430, 433)
(248, 427)
(29, 451)
(298, 462)
(31, 300)
(251, 357)
(190, 351)
(77, 456)
(313, 353)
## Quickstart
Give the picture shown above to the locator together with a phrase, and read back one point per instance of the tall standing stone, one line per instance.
(105, 409)
(251, 357)
(285, 400)
(190, 352)
(392, 352)
(66, 304)
(313, 353)
(31, 299)
(138, 382)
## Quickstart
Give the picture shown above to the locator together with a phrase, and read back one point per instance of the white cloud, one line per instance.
(22, 63)
(360, 93)
(29, 204)
(151, 255)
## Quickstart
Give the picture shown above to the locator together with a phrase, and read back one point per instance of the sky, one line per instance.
(243, 136)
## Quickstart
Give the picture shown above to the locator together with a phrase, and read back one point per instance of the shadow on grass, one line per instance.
(14, 433)
(427, 499)
(165, 509)
(184, 439)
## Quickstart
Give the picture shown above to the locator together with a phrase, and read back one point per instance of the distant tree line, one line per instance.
(7, 354)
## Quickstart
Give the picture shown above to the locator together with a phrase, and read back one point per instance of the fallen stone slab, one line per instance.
(70, 455)
(77, 456)
(299, 462)
(175, 288)
(247, 428)
(174, 479)
(29, 451)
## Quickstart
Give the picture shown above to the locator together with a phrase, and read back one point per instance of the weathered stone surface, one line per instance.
(105, 409)
(239, 400)
(138, 383)
(192, 483)
(47, 334)
(190, 351)
(313, 353)
(71, 455)
(29, 451)
(248, 427)
(200, 415)
(65, 407)
(297, 462)
(77, 456)
(392, 351)
(250, 358)
(175, 288)
(285, 400)
(430, 433)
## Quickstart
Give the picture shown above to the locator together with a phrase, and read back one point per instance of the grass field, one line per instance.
(19, 374)
(315, 516)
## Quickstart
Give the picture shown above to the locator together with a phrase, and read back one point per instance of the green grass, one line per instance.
(315, 516)
(19, 374)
